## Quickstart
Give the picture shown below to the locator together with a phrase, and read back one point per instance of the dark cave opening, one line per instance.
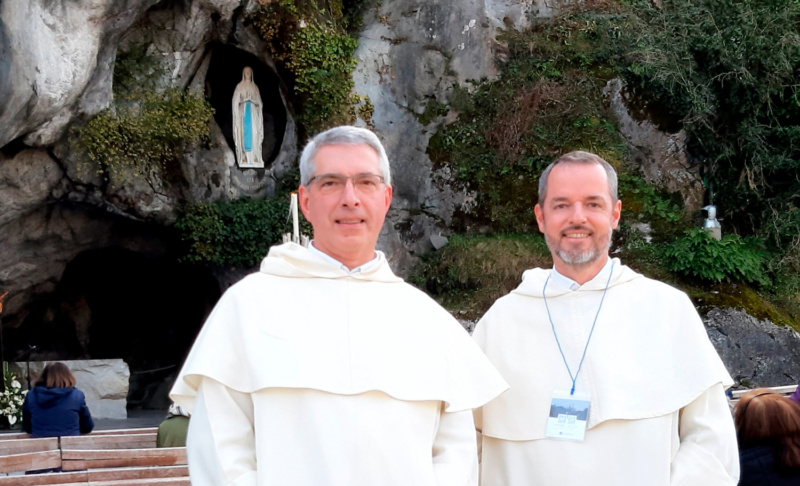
(119, 303)
(224, 73)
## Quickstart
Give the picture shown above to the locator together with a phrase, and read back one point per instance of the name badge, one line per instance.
(568, 415)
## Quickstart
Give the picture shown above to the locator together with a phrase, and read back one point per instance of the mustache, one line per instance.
(582, 229)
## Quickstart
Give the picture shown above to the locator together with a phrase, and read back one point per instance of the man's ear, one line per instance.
(615, 214)
(537, 210)
(302, 201)
(388, 197)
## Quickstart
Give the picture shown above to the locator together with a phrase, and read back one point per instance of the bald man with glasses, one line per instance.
(325, 368)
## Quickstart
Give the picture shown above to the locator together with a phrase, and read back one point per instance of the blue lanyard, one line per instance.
(553, 327)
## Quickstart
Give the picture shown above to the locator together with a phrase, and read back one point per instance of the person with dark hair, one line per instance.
(324, 367)
(588, 348)
(54, 407)
(768, 429)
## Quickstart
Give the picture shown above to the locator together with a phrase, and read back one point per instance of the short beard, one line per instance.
(579, 259)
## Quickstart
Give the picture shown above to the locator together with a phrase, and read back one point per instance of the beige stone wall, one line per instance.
(103, 381)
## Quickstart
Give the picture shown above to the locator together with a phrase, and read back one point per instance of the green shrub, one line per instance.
(322, 61)
(141, 138)
(732, 259)
(642, 201)
(136, 72)
(317, 56)
(470, 273)
(237, 233)
(729, 71)
(547, 101)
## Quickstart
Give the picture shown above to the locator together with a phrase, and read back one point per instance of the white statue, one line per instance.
(248, 121)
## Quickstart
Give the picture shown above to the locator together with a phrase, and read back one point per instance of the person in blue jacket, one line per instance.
(54, 407)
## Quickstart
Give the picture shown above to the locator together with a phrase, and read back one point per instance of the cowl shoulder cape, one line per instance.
(303, 323)
(649, 355)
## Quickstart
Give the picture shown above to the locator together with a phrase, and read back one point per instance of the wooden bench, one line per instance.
(168, 476)
(109, 441)
(122, 457)
(26, 454)
(72, 460)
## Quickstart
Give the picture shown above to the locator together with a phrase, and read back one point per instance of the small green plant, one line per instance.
(308, 38)
(732, 259)
(237, 233)
(365, 109)
(322, 61)
(641, 201)
(12, 398)
(433, 110)
(141, 138)
(470, 273)
(136, 72)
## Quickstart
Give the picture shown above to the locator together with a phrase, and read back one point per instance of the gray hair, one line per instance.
(580, 157)
(343, 135)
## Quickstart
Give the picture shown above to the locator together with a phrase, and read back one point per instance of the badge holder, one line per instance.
(568, 415)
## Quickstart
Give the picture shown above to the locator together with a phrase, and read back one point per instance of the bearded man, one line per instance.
(324, 368)
(613, 378)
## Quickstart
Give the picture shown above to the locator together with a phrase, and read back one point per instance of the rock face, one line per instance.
(757, 353)
(660, 156)
(103, 381)
(409, 57)
(56, 72)
(56, 60)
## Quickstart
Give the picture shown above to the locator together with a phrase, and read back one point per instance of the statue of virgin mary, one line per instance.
(248, 121)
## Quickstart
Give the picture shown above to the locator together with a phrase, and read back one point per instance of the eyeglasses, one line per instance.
(335, 183)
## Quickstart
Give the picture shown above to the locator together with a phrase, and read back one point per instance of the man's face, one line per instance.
(347, 221)
(577, 215)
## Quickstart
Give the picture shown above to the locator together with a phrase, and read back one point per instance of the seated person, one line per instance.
(768, 429)
(54, 407)
(172, 431)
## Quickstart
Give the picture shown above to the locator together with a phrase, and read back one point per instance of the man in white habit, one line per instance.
(613, 378)
(324, 368)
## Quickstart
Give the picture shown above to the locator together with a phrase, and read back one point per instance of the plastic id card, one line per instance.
(568, 415)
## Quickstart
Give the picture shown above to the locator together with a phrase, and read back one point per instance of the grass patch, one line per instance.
(470, 273)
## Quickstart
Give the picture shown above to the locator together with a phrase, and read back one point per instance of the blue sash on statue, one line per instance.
(248, 128)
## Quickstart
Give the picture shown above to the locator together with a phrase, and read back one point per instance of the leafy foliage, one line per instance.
(140, 139)
(237, 233)
(731, 259)
(472, 272)
(136, 72)
(726, 72)
(729, 70)
(309, 40)
(547, 101)
(144, 130)
(643, 202)
(323, 63)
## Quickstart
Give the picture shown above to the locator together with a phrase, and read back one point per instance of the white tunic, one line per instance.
(658, 412)
(307, 375)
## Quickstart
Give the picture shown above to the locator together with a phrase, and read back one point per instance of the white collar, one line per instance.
(568, 283)
(333, 261)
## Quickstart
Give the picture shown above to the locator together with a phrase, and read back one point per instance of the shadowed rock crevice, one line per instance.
(120, 303)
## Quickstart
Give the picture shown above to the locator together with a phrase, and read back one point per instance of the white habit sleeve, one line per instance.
(455, 456)
(221, 444)
(708, 453)
(477, 415)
